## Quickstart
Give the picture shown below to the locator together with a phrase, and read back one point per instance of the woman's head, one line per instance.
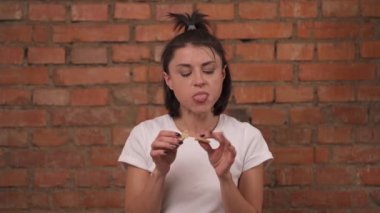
(195, 40)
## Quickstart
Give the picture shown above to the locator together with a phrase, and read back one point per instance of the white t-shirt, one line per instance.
(192, 184)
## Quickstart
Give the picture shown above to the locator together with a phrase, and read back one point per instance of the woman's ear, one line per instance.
(224, 71)
(167, 79)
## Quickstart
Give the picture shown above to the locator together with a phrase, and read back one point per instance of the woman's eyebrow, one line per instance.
(208, 62)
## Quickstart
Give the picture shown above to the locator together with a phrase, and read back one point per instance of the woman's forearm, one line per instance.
(233, 200)
(150, 199)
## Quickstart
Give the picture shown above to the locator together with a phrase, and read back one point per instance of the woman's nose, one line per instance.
(199, 79)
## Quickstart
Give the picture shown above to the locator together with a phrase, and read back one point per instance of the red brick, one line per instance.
(103, 199)
(90, 116)
(350, 114)
(134, 94)
(370, 8)
(90, 97)
(294, 176)
(336, 72)
(162, 10)
(336, 93)
(91, 33)
(334, 134)
(13, 138)
(89, 55)
(67, 199)
(336, 51)
(138, 11)
(370, 49)
(59, 97)
(104, 156)
(156, 32)
(340, 8)
(332, 198)
(130, 53)
(46, 55)
(92, 178)
(257, 10)
(356, 154)
(47, 12)
(20, 76)
(139, 73)
(39, 199)
(28, 158)
(118, 178)
(244, 94)
(50, 137)
(14, 96)
(261, 72)
(306, 115)
(41, 33)
(66, 158)
(255, 51)
(293, 135)
(10, 11)
(294, 94)
(92, 75)
(333, 175)
(295, 51)
(154, 73)
(23, 118)
(13, 178)
(89, 12)
(157, 95)
(14, 200)
(217, 11)
(120, 135)
(90, 136)
(367, 134)
(369, 93)
(11, 55)
(322, 154)
(15, 33)
(293, 155)
(268, 116)
(370, 176)
(49, 178)
(298, 8)
(254, 30)
(334, 29)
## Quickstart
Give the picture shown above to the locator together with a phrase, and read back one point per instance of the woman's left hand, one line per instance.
(222, 157)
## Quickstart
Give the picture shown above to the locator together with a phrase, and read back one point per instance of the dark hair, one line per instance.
(197, 34)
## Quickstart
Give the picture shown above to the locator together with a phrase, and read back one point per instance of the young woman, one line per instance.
(171, 166)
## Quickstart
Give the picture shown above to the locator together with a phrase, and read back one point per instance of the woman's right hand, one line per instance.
(164, 150)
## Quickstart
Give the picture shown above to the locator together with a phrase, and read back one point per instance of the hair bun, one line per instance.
(195, 21)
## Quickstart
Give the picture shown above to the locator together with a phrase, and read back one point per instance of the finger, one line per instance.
(164, 145)
(206, 147)
(158, 153)
(171, 140)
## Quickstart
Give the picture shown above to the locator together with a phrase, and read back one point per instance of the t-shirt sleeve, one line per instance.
(257, 149)
(135, 151)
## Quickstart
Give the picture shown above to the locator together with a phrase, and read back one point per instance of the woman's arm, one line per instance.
(248, 196)
(143, 190)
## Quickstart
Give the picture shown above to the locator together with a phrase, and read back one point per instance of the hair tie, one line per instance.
(191, 27)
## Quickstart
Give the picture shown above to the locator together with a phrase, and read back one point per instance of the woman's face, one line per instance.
(196, 77)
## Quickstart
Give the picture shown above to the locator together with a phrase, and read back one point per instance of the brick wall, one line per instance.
(76, 76)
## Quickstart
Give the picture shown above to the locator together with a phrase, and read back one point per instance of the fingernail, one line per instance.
(177, 134)
(202, 135)
(180, 142)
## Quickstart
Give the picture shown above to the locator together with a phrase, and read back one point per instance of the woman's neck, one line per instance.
(196, 124)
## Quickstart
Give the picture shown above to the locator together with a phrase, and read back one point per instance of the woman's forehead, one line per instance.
(195, 54)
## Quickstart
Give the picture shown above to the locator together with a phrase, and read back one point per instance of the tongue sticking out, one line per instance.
(200, 97)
